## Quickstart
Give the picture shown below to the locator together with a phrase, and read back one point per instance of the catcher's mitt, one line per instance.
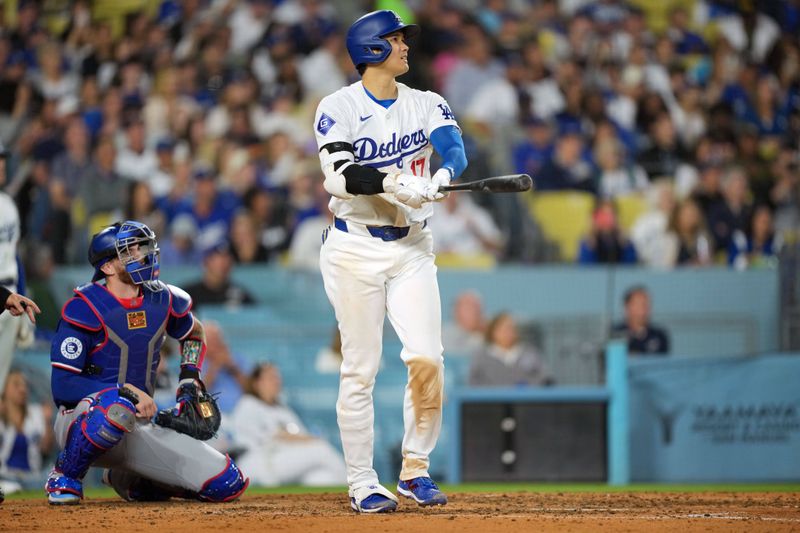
(195, 414)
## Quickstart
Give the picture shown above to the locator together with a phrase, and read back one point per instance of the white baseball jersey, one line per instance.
(396, 139)
(9, 235)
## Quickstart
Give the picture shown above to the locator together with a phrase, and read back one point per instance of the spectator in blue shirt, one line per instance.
(643, 337)
(535, 151)
(605, 243)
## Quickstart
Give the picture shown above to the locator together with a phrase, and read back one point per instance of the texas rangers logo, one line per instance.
(71, 348)
(137, 320)
(325, 124)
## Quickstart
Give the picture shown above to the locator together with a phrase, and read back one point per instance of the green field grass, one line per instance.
(497, 488)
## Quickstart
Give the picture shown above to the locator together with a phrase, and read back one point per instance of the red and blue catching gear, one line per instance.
(133, 243)
(112, 414)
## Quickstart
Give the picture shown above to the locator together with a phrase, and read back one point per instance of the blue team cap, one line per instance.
(165, 144)
(221, 247)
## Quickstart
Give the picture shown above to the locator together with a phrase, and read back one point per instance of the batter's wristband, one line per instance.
(193, 351)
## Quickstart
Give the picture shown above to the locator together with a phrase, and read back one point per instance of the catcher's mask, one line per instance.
(134, 244)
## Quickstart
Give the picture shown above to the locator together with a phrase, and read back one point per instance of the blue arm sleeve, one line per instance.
(69, 388)
(448, 143)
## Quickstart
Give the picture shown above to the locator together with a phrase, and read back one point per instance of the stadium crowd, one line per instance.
(194, 116)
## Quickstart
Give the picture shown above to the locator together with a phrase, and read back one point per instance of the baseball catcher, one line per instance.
(104, 358)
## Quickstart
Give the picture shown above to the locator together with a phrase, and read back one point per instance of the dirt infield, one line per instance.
(484, 513)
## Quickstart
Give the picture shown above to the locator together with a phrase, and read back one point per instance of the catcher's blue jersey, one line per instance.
(103, 341)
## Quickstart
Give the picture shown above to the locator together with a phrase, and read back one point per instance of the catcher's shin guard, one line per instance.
(90, 435)
(225, 486)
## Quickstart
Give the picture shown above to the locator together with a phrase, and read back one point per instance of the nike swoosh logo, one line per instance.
(365, 118)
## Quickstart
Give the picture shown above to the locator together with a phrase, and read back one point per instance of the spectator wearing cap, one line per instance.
(216, 286)
(135, 161)
(644, 338)
(566, 169)
(179, 248)
(533, 153)
(162, 179)
(211, 208)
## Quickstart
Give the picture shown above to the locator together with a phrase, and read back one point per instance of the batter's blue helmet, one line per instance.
(118, 241)
(366, 35)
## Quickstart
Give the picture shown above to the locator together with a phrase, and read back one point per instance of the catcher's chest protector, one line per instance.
(133, 336)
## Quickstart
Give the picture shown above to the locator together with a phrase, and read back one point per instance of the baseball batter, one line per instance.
(376, 138)
(104, 358)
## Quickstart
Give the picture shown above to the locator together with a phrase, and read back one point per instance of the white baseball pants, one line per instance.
(365, 279)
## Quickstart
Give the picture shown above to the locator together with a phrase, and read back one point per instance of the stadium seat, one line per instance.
(480, 261)
(629, 208)
(564, 217)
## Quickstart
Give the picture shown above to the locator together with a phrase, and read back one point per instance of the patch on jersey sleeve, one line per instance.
(71, 348)
(446, 113)
(325, 124)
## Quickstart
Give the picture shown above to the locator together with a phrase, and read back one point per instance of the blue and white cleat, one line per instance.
(63, 490)
(423, 491)
(372, 499)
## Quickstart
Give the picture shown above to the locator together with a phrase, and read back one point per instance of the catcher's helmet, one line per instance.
(367, 35)
(118, 241)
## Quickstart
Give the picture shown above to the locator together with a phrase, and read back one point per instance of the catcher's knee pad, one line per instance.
(96, 431)
(225, 486)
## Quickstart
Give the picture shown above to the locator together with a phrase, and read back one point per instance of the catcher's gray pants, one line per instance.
(153, 452)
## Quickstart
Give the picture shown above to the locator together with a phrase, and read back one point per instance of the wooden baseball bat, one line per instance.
(510, 183)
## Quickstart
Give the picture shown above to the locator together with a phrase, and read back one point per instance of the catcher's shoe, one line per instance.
(63, 490)
(422, 490)
(372, 499)
(2, 496)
